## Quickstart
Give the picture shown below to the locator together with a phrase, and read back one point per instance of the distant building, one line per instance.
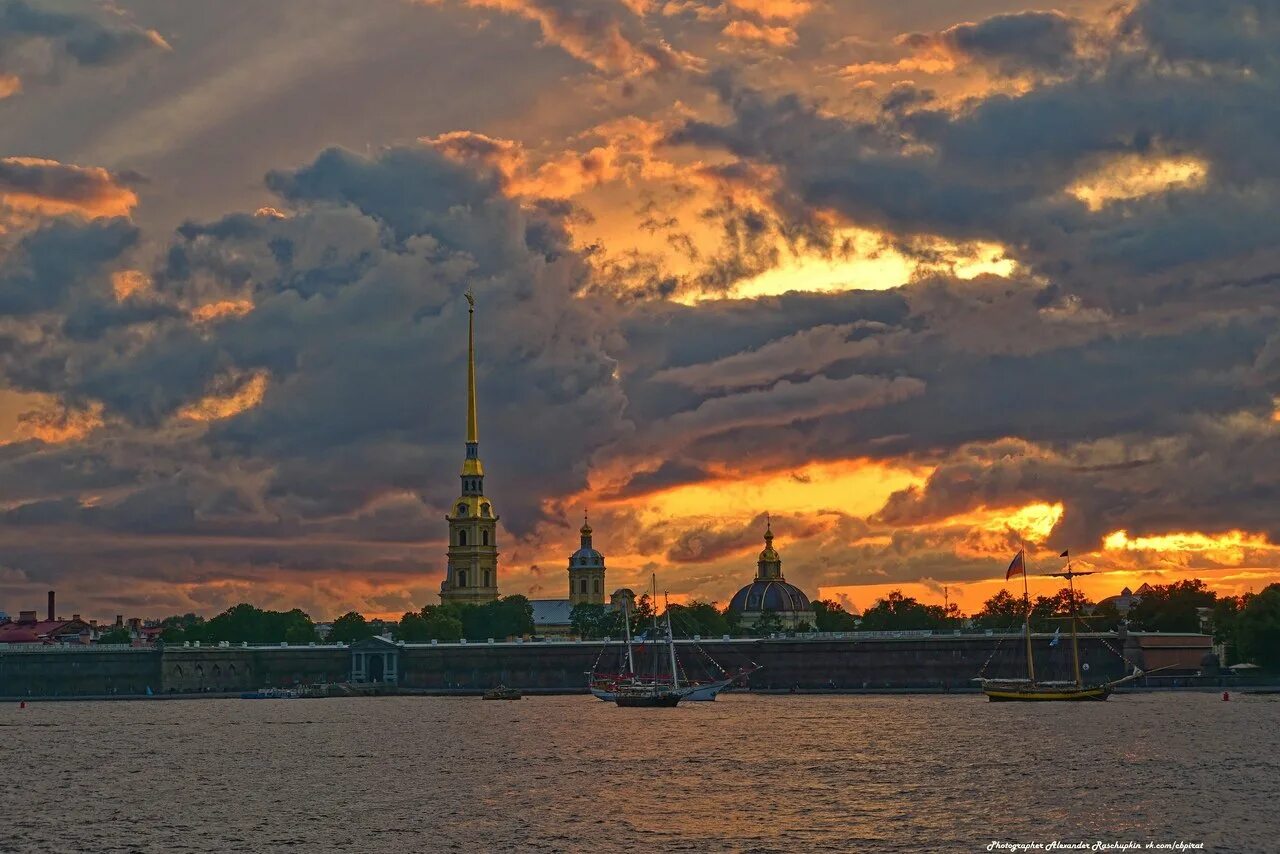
(621, 595)
(29, 629)
(770, 593)
(586, 586)
(1126, 599)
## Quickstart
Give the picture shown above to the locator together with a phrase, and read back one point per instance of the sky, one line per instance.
(922, 282)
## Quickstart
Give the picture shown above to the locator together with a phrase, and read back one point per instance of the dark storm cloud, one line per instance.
(78, 39)
(1128, 369)
(60, 259)
(359, 326)
(997, 168)
(1013, 43)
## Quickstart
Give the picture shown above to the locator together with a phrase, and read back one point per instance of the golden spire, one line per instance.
(472, 428)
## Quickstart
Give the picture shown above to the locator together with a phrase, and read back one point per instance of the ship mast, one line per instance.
(654, 605)
(1026, 617)
(671, 644)
(626, 627)
(1069, 575)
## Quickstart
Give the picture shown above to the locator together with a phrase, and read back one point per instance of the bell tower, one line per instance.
(472, 574)
(586, 571)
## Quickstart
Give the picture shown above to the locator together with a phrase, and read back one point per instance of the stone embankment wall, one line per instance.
(946, 662)
(55, 671)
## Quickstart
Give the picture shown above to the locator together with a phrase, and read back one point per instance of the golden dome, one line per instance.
(769, 553)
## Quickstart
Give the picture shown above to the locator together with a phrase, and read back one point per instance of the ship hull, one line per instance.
(1034, 694)
(666, 700)
(697, 693)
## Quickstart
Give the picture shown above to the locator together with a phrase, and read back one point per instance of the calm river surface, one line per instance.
(746, 773)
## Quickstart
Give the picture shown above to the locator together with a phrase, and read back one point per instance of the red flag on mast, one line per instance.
(1018, 566)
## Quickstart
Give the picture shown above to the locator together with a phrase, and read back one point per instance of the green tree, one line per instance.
(1258, 628)
(351, 627)
(300, 631)
(698, 618)
(510, 616)
(1224, 621)
(896, 612)
(247, 624)
(1172, 607)
(768, 624)
(1001, 612)
(187, 627)
(642, 615)
(585, 618)
(830, 616)
(732, 622)
(1105, 617)
(412, 628)
(1047, 612)
(441, 625)
(117, 634)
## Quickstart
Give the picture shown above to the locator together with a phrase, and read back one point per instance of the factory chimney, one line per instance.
(51, 616)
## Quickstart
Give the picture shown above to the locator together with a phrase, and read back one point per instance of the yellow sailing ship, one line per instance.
(1030, 690)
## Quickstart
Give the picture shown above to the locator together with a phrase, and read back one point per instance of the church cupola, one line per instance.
(472, 573)
(769, 596)
(586, 570)
(769, 567)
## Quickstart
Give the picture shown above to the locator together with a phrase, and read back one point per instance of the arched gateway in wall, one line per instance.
(375, 660)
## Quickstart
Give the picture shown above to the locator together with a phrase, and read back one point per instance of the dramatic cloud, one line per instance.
(49, 187)
(38, 42)
(1011, 278)
(597, 32)
(1016, 43)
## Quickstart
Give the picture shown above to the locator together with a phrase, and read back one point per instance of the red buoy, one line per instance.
(1226, 695)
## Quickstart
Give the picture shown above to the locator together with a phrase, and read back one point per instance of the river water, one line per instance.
(747, 773)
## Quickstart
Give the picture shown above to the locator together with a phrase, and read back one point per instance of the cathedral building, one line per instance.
(771, 594)
(472, 574)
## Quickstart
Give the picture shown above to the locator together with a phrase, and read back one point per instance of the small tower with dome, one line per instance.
(586, 571)
(770, 592)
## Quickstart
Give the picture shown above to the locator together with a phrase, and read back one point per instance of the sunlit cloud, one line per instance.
(231, 395)
(853, 487)
(53, 423)
(774, 10)
(764, 34)
(51, 188)
(869, 262)
(213, 311)
(1132, 176)
(1231, 548)
(126, 283)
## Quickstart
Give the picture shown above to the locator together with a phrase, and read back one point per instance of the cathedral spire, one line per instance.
(472, 469)
(472, 574)
(473, 432)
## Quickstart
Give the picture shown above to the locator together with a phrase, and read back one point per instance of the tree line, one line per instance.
(1249, 626)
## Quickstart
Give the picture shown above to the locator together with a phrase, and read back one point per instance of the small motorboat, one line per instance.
(502, 692)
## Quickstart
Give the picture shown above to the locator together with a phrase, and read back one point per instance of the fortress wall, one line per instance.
(41, 671)
(929, 662)
(940, 661)
(235, 668)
